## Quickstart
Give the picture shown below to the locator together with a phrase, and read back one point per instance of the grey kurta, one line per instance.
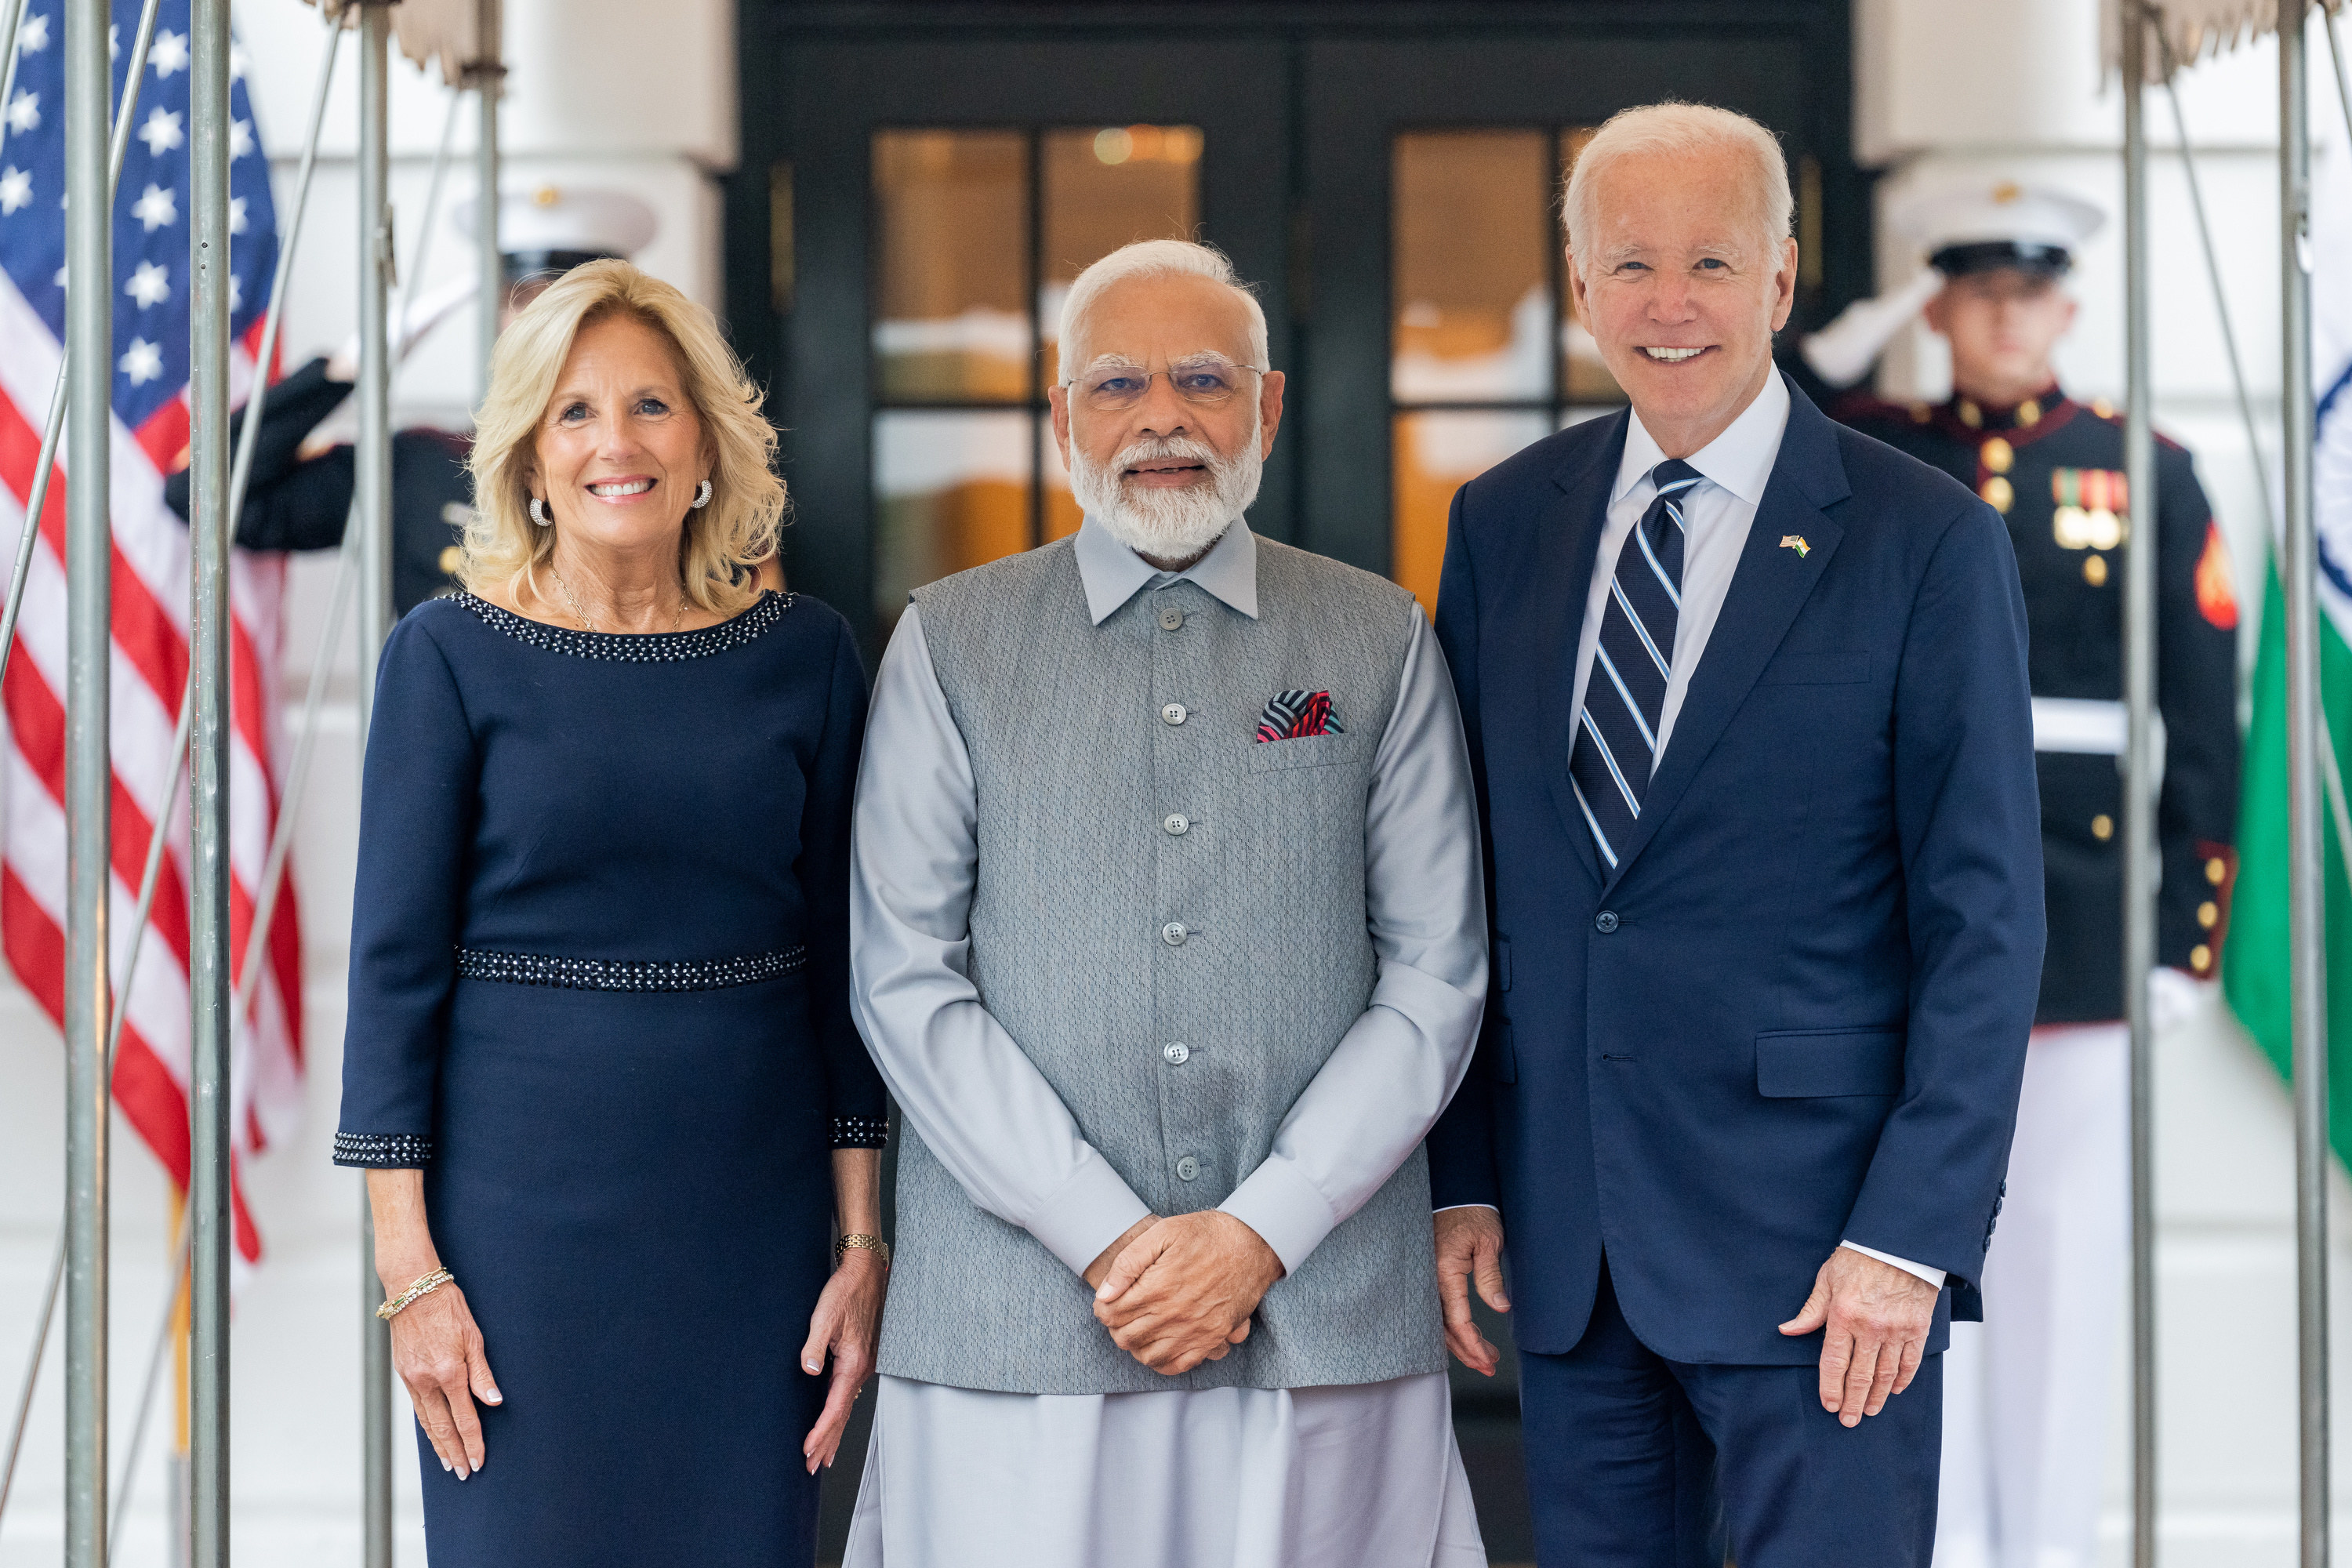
(984, 1109)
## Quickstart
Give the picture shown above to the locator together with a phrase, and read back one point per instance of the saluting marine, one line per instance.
(2025, 1404)
(299, 495)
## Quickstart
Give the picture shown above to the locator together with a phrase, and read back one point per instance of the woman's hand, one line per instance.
(844, 1325)
(437, 1352)
(436, 1347)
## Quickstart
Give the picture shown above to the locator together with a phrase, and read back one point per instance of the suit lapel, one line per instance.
(1569, 538)
(1769, 585)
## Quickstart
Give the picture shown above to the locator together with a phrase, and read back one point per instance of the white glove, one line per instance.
(1842, 352)
(417, 318)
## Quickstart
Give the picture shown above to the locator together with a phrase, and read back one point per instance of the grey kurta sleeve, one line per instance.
(1398, 1065)
(977, 1101)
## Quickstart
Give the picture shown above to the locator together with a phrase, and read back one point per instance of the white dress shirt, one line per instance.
(1718, 513)
(1733, 469)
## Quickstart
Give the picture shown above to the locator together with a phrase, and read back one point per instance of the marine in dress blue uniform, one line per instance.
(2026, 1396)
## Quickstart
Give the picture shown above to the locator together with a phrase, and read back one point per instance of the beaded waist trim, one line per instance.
(619, 974)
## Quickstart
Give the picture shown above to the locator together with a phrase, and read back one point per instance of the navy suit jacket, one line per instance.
(1797, 1011)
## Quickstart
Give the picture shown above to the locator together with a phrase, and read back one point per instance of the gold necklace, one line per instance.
(677, 620)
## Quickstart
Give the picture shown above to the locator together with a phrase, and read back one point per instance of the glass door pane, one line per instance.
(951, 220)
(952, 490)
(1473, 265)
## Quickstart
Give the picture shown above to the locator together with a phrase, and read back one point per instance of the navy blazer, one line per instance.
(1797, 1011)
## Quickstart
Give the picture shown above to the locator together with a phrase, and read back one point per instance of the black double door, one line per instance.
(919, 181)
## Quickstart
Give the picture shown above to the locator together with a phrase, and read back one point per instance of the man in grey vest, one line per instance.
(1170, 938)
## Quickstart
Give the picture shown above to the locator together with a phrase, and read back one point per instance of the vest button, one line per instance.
(1178, 1052)
(1176, 824)
(1605, 922)
(1187, 1168)
(1173, 714)
(1170, 620)
(1173, 933)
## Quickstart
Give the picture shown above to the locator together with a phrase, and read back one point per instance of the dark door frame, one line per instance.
(1308, 76)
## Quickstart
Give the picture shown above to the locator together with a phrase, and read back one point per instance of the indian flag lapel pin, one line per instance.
(1796, 541)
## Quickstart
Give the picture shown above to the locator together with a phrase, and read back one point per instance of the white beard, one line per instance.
(1167, 524)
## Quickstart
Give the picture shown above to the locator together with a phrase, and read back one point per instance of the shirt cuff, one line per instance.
(1932, 1276)
(1285, 1208)
(1089, 1211)
(1444, 1208)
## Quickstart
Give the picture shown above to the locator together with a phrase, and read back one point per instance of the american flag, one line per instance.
(150, 582)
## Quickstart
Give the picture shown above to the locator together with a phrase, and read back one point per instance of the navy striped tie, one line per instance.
(1617, 732)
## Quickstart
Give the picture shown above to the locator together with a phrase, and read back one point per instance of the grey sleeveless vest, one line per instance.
(1099, 938)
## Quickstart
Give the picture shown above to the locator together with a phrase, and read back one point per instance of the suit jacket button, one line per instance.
(1605, 922)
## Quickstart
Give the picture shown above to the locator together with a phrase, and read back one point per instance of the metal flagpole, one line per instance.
(2139, 778)
(2298, 572)
(210, 530)
(487, 73)
(179, 750)
(90, 327)
(371, 515)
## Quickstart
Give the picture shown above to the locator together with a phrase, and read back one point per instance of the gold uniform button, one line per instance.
(1971, 416)
(1921, 413)
(2217, 870)
(2103, 408)
(1997, 455)
(2103, 827)
(1996, 493)
(2207, 913)
(2200, 957)
(451, 558)
(2029, 413)
(2094, 570)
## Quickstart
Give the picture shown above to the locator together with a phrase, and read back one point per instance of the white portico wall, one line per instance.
(603, 92)
(2012, 88)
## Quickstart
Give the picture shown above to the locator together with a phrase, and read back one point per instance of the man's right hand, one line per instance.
(1470, 1246)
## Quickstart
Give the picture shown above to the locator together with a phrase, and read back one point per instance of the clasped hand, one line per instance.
(1177, 1292)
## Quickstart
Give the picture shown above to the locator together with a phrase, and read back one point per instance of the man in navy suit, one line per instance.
(1746, 698)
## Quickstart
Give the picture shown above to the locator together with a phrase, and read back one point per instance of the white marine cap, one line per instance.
(1977, 227)
(555, 227)
(1987, 225)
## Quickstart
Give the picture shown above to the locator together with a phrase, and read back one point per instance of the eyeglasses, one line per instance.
(1206, 382)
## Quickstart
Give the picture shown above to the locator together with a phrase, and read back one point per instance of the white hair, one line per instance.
(1158, 258)
(1676, 129)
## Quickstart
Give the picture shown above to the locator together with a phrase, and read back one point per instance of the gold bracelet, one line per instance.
(863, 1242)
(424, 1286)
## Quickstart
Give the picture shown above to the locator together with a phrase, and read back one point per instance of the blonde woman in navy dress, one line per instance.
(600, 1065)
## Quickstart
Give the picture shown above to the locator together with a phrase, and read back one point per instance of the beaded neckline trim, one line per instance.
(613, 975)
(646, 648)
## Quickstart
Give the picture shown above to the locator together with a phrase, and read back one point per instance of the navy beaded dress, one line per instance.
(600, 994)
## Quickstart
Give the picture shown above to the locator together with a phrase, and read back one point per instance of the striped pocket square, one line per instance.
(1294, 715)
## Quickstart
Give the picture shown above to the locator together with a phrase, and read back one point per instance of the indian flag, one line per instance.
(2255, 958)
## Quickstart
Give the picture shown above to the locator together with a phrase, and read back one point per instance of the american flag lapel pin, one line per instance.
(1796, 541)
